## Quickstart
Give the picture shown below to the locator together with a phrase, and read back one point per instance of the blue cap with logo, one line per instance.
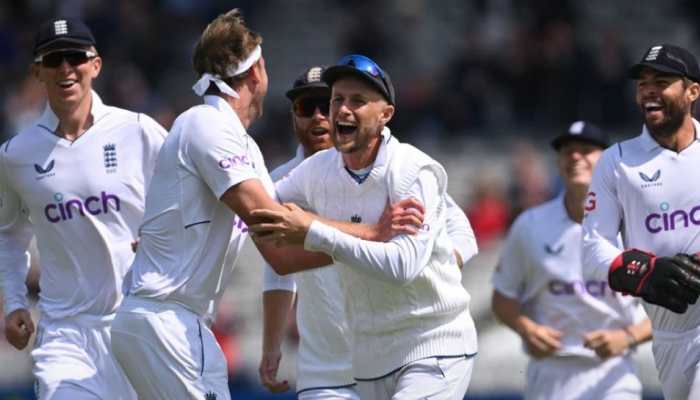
(669, 59)
(364, 68)
(68, 31)
(582, 131)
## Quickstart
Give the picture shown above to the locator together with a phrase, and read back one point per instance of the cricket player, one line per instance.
(412, 334)
(208, 173)
(324, 360)
(643, 189)
(579, 333)
(76, 180)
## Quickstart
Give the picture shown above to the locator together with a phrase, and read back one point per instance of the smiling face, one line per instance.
(575, 162)
(68, 85)
(665, 101)
(358, 114)
(312, 131)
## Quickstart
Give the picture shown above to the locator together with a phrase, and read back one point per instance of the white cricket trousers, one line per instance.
(345, 393)
(677, 358)
(434, 378)
(73, 361)
(580, 378)
(168, 352)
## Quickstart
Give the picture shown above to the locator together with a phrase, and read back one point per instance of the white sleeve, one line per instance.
(602, 219)
(153, 137)
(401, 259)
(460, 231)
(292, 188)
(274, 281)
(510, 276)
(15, 235)
(220, 156)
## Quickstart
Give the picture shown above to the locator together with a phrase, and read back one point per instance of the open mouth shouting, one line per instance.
(345, 128)
(653, 110)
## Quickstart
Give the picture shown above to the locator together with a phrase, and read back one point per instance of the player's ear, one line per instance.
(96, 66)
(387, 114)
(693, 91)
(34, 71)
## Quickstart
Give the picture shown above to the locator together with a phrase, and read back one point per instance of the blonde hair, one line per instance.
(225, 42)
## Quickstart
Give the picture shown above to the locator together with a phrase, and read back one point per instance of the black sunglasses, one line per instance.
(74, 57)
(306, 106)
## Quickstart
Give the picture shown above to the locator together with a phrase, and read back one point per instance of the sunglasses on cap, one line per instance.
(305, 107)
(74, 57)
(362, 63)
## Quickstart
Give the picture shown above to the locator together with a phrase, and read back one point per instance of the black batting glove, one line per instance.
(670, 282)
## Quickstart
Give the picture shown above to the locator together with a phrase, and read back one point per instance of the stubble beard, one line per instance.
(673, 120)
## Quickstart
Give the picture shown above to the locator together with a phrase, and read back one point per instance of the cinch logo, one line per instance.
(94, 205)
(594, 288)
(239, 224)
(234, 161)
(670, 220)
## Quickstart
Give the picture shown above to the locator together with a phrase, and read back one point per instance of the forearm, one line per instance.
(398, 261)
(14, 267)
(358, 230)
(509, 311)
(641, 332)
(277, 305)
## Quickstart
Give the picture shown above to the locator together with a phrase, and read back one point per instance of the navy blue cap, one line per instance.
(582, 131)
(364, 68)
(70, 31)
(669, 59)
(309, 79)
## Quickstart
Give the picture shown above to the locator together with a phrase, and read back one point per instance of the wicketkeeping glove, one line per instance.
(670, 282)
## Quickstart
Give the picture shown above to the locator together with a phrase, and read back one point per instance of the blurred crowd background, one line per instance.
(482, 85)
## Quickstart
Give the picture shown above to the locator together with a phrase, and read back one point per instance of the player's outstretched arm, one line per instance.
(540, 340)
(249, 195)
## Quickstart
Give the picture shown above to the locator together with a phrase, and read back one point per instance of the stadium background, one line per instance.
(481, 86)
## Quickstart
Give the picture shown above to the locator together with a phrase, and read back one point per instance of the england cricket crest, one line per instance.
(210, 396)
(110, 157)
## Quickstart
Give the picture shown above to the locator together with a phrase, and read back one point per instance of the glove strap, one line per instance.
(630, 270)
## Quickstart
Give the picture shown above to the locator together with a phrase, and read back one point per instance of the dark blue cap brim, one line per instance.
(563, 139)
(636, 70)
(336, 72)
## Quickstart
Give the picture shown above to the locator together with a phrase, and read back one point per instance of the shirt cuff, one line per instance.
(320, 237)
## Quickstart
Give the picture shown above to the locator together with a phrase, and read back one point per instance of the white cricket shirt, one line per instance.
(403, 299)
(540, 267)
(187, 231)
(647, 193)
(83, 200)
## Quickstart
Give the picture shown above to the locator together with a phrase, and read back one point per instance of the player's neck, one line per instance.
(243, 107)
(573, 202)
(73, 120)
(363, 158)
(681, 139)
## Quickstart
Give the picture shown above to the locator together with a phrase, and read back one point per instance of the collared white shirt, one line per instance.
(83, 200)
(187, 230)
(647, 193)
(540, 267)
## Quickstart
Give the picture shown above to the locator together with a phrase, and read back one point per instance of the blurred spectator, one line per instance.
(489, 211)
(530, 180)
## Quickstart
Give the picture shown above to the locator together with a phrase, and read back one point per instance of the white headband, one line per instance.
(201, 86)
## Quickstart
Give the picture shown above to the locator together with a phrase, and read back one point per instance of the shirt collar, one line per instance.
(650, 144)
(222, 105)
(300, 153)
(49, 119)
